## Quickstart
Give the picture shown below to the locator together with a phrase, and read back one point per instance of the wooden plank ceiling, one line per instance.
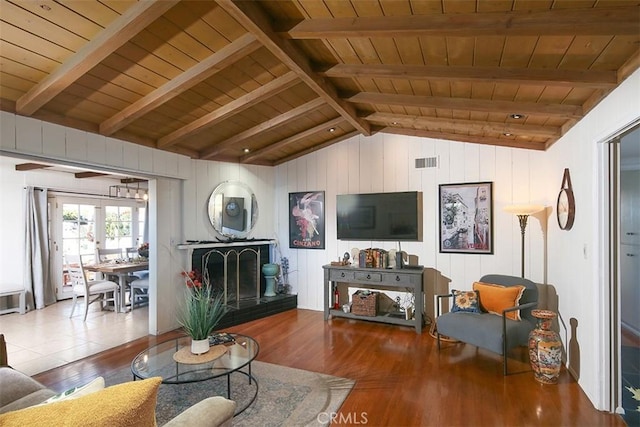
(266, 82)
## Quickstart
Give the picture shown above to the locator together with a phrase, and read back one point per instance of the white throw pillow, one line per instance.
(75, 392)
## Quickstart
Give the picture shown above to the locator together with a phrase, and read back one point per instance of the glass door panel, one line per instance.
(84, 225)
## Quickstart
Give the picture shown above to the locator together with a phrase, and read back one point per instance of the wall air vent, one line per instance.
(427, 162)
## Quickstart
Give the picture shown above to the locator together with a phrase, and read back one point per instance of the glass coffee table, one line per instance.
(160, 361)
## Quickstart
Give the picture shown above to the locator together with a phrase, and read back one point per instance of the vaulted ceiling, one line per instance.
(264, 82)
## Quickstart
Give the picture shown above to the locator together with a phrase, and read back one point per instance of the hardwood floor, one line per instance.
(402, 379)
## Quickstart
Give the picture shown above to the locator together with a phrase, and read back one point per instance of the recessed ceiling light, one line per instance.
(507, 134)
(246, 150)
(516, 116)
(332, 129)
(394, 123)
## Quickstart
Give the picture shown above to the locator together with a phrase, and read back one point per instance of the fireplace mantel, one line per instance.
(210, 244)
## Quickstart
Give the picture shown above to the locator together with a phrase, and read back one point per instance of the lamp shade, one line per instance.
(523, 209)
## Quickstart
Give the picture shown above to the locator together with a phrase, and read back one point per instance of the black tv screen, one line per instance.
(380, 216)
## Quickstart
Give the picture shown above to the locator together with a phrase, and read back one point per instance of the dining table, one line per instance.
(122, 269)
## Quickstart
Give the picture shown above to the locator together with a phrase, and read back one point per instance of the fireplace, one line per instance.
(235, 268)
(234, 271)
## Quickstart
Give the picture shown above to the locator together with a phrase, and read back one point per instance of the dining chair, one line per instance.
(132, 253)
(139, 291)
(103, 290)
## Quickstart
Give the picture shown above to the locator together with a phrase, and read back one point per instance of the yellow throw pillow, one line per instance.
(129, 404)
(495, 298)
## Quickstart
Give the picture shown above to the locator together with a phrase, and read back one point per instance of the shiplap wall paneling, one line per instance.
(113, 150)
(305, 295)
(189, 204)
(165, 163)
(488, 172)
(505, 225)
(352, 168)
(321, 258)
(76, 145)
(101, 153)
(442, 261)
(541, 220)
(521, 178)
(130, 155)
(53, 140)
(339, 175)
(7, 131)
(28, 135)
(471, 164)
(458, 174)
(333, 245)
(297, 261)
(372, 170)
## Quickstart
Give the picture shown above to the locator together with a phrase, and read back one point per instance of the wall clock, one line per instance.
(566, 206)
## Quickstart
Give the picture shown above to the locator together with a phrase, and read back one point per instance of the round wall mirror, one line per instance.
(233, 209)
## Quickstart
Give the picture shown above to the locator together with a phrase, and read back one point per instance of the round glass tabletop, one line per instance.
(158, 361)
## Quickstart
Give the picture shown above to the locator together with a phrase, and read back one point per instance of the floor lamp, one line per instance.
(523, 212)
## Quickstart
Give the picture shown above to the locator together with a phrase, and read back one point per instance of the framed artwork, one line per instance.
(466, 218)
(306, 220)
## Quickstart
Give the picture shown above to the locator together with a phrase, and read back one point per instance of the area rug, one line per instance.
(286, 396)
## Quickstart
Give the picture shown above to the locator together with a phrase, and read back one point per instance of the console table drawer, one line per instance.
(400, 279)
(340, 275)
(368, 277)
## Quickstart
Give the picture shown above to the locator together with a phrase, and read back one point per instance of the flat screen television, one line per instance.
(380, 216)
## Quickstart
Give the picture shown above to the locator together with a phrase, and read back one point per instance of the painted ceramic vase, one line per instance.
(545, 348)
(270, 271)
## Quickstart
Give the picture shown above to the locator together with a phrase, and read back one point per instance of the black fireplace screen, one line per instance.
(236, 270)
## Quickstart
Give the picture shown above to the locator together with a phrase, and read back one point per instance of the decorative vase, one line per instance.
(199, 346)
(143, 253)
(545, 348)
(270, 271)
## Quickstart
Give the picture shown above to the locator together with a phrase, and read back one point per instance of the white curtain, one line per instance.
(40, 290)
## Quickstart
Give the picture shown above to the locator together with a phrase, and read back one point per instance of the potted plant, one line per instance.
(201, 313)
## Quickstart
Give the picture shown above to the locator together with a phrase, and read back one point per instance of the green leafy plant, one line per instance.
(202, 310)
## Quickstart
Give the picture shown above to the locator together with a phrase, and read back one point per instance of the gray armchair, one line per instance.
(489, 331)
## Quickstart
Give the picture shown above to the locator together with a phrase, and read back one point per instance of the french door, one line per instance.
(81, 225)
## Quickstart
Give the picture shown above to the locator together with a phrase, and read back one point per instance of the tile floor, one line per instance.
(45, 339)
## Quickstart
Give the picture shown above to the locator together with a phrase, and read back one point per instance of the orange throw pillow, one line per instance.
(495, 298)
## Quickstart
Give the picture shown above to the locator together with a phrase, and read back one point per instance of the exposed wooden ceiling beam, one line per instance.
(130, 23)
(492, 106)
(556, 22)
(263, 127)
(547, 77)
(516, 129)
(215, 63)
(30, 166)
(323, 127)
(81, 175)
(315, 148)
(503, 142)
(253, 18)
(234, 107)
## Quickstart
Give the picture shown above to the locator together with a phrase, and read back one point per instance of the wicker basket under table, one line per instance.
(363, 304)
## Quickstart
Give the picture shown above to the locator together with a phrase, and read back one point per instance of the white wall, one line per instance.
(566, 260)
(574, 269)
(205, 176)
(386, 163)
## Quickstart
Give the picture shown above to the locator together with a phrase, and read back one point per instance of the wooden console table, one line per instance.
(374, 278)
